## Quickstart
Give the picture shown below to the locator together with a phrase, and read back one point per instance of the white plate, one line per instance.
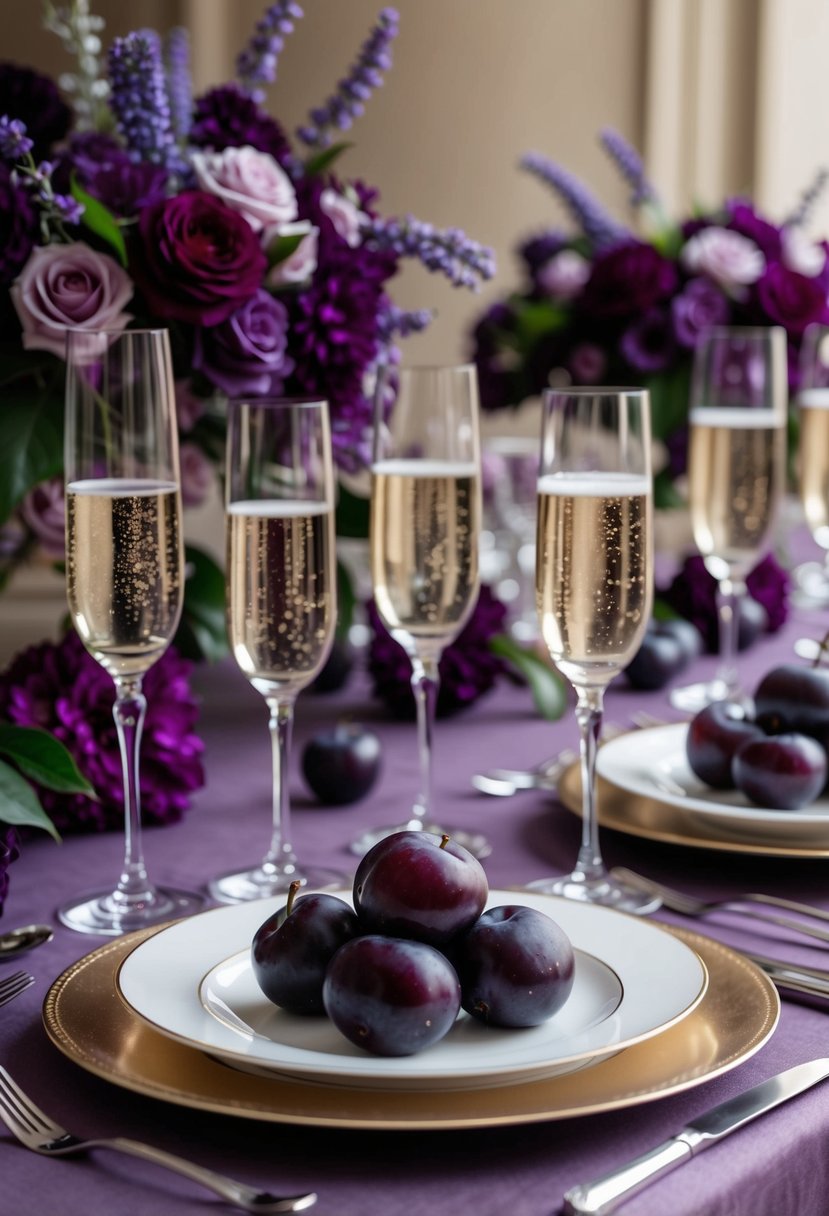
(652, 764)
(193, 982)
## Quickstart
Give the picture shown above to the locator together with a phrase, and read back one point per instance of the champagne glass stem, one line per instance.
(129, 711)
(589, 710)
(425, 686)
(280, 855)
(728, 616)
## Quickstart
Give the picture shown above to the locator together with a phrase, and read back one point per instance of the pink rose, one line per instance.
(564, 274)
(346, 218)
(727, 257)
(249, 182)
(64, 287)
(300, 266)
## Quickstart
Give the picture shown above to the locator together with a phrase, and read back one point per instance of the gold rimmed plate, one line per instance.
(87, 1021)
(646, 788)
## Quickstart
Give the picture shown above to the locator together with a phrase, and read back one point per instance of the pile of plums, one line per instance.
(394, 971)
(776, 756)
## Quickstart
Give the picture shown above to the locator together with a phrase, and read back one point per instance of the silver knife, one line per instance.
(608, 1192)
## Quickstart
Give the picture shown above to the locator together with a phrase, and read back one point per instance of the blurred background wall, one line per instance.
(720, 96)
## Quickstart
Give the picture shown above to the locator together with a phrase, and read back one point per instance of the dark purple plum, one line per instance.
(780, 772)
(421, 886)
(516, 967)
(714, 735)
(391, 996)
(337, 669)
(752, 621)
(667, 648)
(291, 950)
(794, 698)
(342, 764)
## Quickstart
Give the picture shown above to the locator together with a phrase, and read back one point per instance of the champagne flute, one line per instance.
(124, 568)
(424, 536)
(594, 580)
(281, 595)
(813, 460)
(736, 471)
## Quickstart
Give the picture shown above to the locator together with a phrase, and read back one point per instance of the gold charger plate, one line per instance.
(87, 1021)
(669, 823)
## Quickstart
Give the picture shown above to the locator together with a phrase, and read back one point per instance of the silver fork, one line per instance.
(13, 985)
(690, 905)
(39, 1133)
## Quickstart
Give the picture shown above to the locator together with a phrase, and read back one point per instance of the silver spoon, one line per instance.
(17, 941)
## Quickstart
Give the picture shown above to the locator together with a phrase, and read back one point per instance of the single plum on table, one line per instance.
(341, 765)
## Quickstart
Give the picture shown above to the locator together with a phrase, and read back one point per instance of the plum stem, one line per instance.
(444, 840)
(292, 890)
(822, 647)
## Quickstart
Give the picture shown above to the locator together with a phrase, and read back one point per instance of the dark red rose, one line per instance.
(197, 261)
(790, 299)
(628, 280)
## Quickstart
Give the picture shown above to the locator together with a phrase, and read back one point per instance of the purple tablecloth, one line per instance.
(778, 1166)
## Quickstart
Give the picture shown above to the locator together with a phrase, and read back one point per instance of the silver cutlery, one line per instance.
(607, 1193)
(689, 905)
(13, 985)
(17, 941)
(39, 1133)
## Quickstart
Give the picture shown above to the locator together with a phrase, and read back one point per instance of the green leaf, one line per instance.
(98, 219)
(202, 633)
(665, 493)
(281, 247)
(31, 443)
(669, 399)
(43, 758)
(546, 685)
(346, 600)
(324, 160)
(19, 804)
(352, 514)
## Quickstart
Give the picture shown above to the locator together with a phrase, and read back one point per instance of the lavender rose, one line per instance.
(648, 345)
(699, 306)
(196, 260)
(249, 182)
(627, 280)
(727, 257)
(44, 511)
(65, 287)
(247, 353)
(564, 274)
(197, 475)
(791, 299)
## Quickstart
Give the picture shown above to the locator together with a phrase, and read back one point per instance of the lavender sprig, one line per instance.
(463, 261)
(139, 99)
(595, 222)
(258, 62)
(79, 32)
(56, 210)
(395, 322)
(179, 82)
(629, 163)
(366, 75)
(808, 199)
(14, 142)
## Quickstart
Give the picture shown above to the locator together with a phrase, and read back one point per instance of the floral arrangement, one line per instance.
(609, 306)
(130, 202)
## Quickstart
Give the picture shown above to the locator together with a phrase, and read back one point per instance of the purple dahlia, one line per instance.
(225, 117)
(468, 668)
(693, 594)
(61, 688)
(106, 171)
(34, 99)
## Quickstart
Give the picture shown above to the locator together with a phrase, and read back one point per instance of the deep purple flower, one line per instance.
(467, 669)
(693, 594)
(496, 377)
(627, 281)
(9, 852)
(744, 219)
(18, 227)
(61, 688)
(648, 344)
(247, 353)
(537, 250)
(197, 260)
(699, 306)
(587, 363)
(14, 142)
(225, 117)
(769, 583)
(106, 171)
(791, 299)
(34, 99)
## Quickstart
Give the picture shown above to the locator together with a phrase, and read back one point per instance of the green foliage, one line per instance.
(315, 166)
(352, 515)
(281, 247)
(19, 804)
(202, 633)
(669, 399)
(99, 220)
(546, 685)
(31, 440)
(346, 600)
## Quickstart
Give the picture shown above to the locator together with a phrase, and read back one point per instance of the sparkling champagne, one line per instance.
(736, 470)
(281, 591)
(594, 571)
(124, 563)
(425, 524)
(813, 416)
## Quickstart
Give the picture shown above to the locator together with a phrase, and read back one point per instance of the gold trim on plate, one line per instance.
(87, 1021)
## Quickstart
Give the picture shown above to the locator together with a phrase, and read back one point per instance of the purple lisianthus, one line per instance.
(791, 299)
(9, 852)
(196, 260)
(468, 668)
(247, 353)
(18, 227)
(34, 99)
(627, 280)
(225, 117)
(648, 344)
(61, 688)
(43, 510)
(699, 306)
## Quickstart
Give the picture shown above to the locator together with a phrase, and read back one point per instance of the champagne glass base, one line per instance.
(475, 842)
(811, 585)
(605, 891)
(691, 698)
(262, 882)
(104, 913)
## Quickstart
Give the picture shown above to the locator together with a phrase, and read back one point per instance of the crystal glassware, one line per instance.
(124, 569)
(594, 580)
(513, 468)
(281, 595)
(424, 535)
(812, 578)
(736, 474)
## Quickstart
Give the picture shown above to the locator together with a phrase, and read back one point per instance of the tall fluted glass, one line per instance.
(124, 569)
